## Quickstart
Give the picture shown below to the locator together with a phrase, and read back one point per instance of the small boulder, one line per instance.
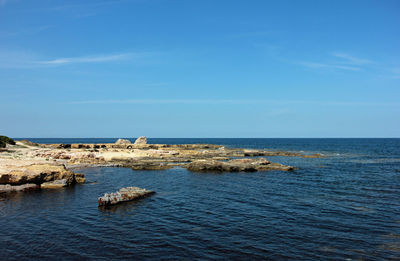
(79, 178)
(141, 140)
(60, 183)
(123, 141)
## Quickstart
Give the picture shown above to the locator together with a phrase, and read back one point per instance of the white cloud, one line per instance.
(87, 59)
(345, 62)
(327, 65)
(22, 59)
(349, 59)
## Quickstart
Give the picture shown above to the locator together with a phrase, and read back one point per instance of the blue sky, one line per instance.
(166, 68)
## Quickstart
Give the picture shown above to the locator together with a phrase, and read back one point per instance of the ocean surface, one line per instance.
(342, 207)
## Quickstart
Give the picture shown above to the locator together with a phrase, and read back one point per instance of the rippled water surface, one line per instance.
(344, 206)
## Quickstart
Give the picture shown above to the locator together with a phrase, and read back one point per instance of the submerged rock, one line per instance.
(24, 188)
(236, 165)
(123, 141)
(60, 183)
(80, 178)
(141, 140)
(123, 195)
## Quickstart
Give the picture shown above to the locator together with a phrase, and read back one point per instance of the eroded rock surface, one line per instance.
(123, 195)
(141, 140)
(37, 174)
(23, 175)
(236, 165)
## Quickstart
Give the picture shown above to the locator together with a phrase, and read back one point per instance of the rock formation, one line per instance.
(123, 141)
(123, 195)
(236, 165)
(141, 140)
(26, 177)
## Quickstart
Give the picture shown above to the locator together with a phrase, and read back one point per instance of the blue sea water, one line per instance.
(345, 206)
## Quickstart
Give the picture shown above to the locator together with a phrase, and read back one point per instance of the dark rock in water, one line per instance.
(80, 178)
(236, 165)
(149, 166)
(123, 195)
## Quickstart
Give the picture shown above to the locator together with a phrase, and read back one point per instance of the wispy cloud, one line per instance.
(343, 62)
(26, 31)
(74, 7)
(21, 59)
(326, 65)
(349, 59)
(233, 101)
(164, 101)
(87, 59)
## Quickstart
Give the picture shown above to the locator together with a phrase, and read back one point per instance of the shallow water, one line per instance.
(345, 206)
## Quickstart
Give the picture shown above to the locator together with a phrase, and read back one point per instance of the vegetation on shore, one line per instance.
(6, 140)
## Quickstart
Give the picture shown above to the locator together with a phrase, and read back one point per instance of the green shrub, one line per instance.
(2, 144)
(6, 140)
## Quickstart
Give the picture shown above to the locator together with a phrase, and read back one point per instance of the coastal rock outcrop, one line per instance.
(123, 195)
(236, 165)
(37, 174)
(123, 141)
(141, 140)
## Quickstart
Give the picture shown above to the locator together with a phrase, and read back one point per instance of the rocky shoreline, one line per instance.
(54, 165)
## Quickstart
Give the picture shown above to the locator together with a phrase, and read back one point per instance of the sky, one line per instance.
(200, 68)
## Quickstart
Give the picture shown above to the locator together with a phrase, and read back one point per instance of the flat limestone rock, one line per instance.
(123, 195)
(37, 174)
(236, 165)
(54, 184)
(19, 172)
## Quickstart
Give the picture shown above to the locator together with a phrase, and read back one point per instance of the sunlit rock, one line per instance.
(123, 195)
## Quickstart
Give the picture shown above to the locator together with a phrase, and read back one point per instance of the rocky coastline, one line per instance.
(25, 165)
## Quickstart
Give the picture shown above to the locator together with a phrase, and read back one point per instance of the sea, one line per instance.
(344, 206)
